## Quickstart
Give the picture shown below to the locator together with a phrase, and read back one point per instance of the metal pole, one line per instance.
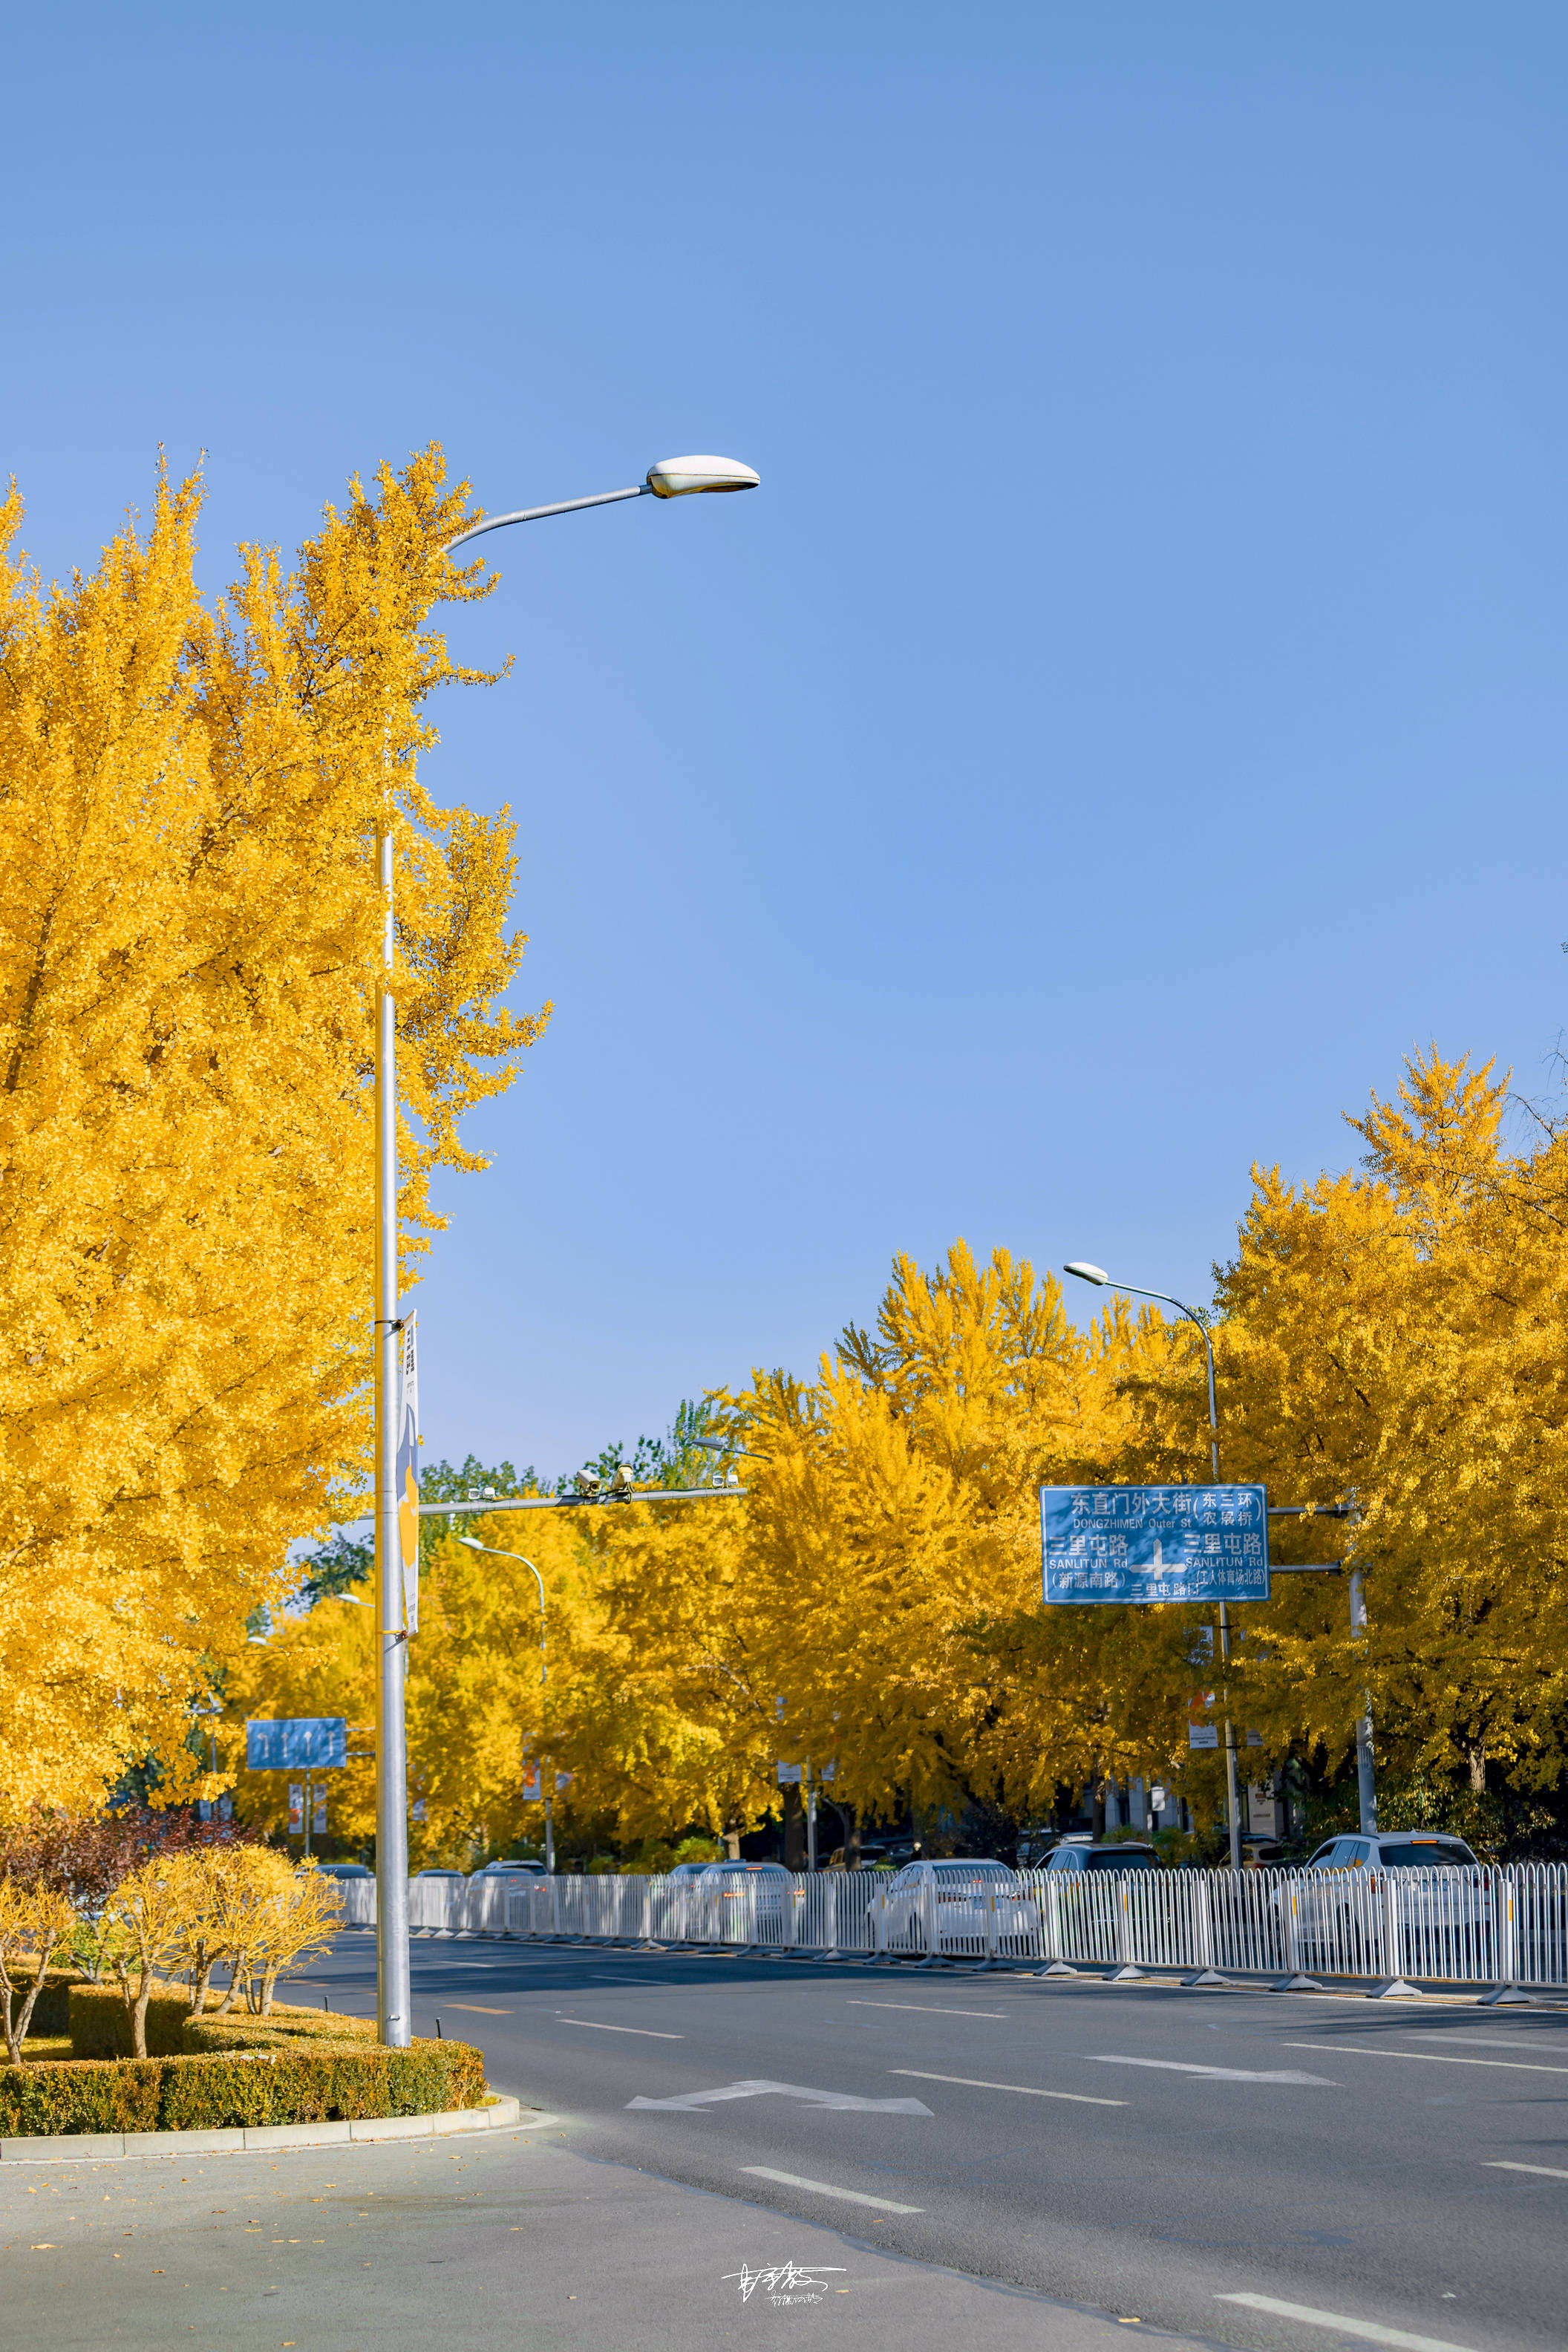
(394, 1990)
(1366, 1780)
(810, 1821)
(1230, 1776)
(1165, 1298)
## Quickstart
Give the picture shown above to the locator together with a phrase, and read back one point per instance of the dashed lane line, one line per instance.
(1369, 2331)
(1024, 2090)
(1220, 2073)
(851, 2196)
(1428, 2057)
(1501, 2164)
(935, 2008)
(644, 2032)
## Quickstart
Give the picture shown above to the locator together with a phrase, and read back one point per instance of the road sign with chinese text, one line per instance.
(284, 1743)
(1154, 1543)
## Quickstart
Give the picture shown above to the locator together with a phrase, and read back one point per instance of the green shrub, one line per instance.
(100, 2022)
(82, 2095)
(321, 2081)
(298, 2066)
(51, 2011)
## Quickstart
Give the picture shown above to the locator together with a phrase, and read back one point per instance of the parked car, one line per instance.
(461, 1875)
(948, 1905)
(344, 1870)
(685, 1870)
(1360, 1908)
(511, 1869)
(1079, 1857)
(747, 1900)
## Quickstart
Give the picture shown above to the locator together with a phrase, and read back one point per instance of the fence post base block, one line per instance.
(1506, 1997)
(1124, 1975)
(1205, 1977)
(1057, 1968)
(1298, 1984)
(1397, 1989)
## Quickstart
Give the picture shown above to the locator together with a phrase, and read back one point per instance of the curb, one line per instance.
(72, 2148)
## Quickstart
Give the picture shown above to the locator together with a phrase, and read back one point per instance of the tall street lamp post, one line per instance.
(474, 1545)
(672, 478)
(1098, 1275)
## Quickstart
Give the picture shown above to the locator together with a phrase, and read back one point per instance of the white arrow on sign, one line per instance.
(691, 2101)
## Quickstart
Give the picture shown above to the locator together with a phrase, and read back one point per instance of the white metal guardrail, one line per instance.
(1476, 1926)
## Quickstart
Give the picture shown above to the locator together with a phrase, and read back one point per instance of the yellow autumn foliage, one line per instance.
(190, 935)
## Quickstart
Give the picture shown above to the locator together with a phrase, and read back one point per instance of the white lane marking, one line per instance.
(1484, 2040)
(936, 2008)
(1219, 2074)
(1427, 2057)
(646, 2032)
(1500, 2164)
(1368, 2330)
(655, 1984)
(1028, 2090)
(759, 2087)
(826, 2188)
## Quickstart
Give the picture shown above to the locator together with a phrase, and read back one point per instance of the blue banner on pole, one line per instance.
(288, 1742)
(1154, 1543)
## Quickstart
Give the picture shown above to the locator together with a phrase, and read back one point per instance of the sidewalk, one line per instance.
(511, 2241)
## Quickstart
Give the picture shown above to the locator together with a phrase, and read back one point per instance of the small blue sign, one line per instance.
(288, 1742)
(1154, 1543)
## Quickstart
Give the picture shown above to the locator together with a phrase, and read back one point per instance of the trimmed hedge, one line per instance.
(295, 2066)
(100, 2023)
(82, 2095)
(51, 2013)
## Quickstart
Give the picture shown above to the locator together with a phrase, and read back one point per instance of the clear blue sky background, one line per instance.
(1129, 718)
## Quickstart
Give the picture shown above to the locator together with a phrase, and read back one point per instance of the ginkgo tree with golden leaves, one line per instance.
(190, 941)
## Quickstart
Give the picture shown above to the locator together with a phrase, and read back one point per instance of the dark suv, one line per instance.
(1123, 1855)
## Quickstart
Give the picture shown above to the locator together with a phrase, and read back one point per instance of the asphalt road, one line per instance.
(1148, 2151)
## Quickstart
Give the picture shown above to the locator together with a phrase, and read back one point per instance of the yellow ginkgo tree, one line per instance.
(190, 941)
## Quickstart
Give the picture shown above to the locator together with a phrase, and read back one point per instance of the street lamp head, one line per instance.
(682, 477)
(1086, 1273)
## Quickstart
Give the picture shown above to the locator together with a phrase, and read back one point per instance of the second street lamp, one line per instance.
(672, 477)
(1098, 1275)
(474, 1545)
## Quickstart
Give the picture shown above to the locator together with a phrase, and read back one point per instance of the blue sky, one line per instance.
(1128, 719)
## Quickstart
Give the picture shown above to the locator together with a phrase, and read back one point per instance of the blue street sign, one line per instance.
(1154, 1543)
(288, 1742)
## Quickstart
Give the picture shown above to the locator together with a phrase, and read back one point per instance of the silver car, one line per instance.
(964, 1908)
(744, 1902)
(1397, 1902)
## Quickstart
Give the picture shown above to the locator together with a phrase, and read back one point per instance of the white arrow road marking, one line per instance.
(646, 2032)
(1427, 2057)
(692, 2100)
(1368, 2330)
(1028, 2090)
(1500, 2164)
(826, 2188)
(937, 2008)
(1220, 2073)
